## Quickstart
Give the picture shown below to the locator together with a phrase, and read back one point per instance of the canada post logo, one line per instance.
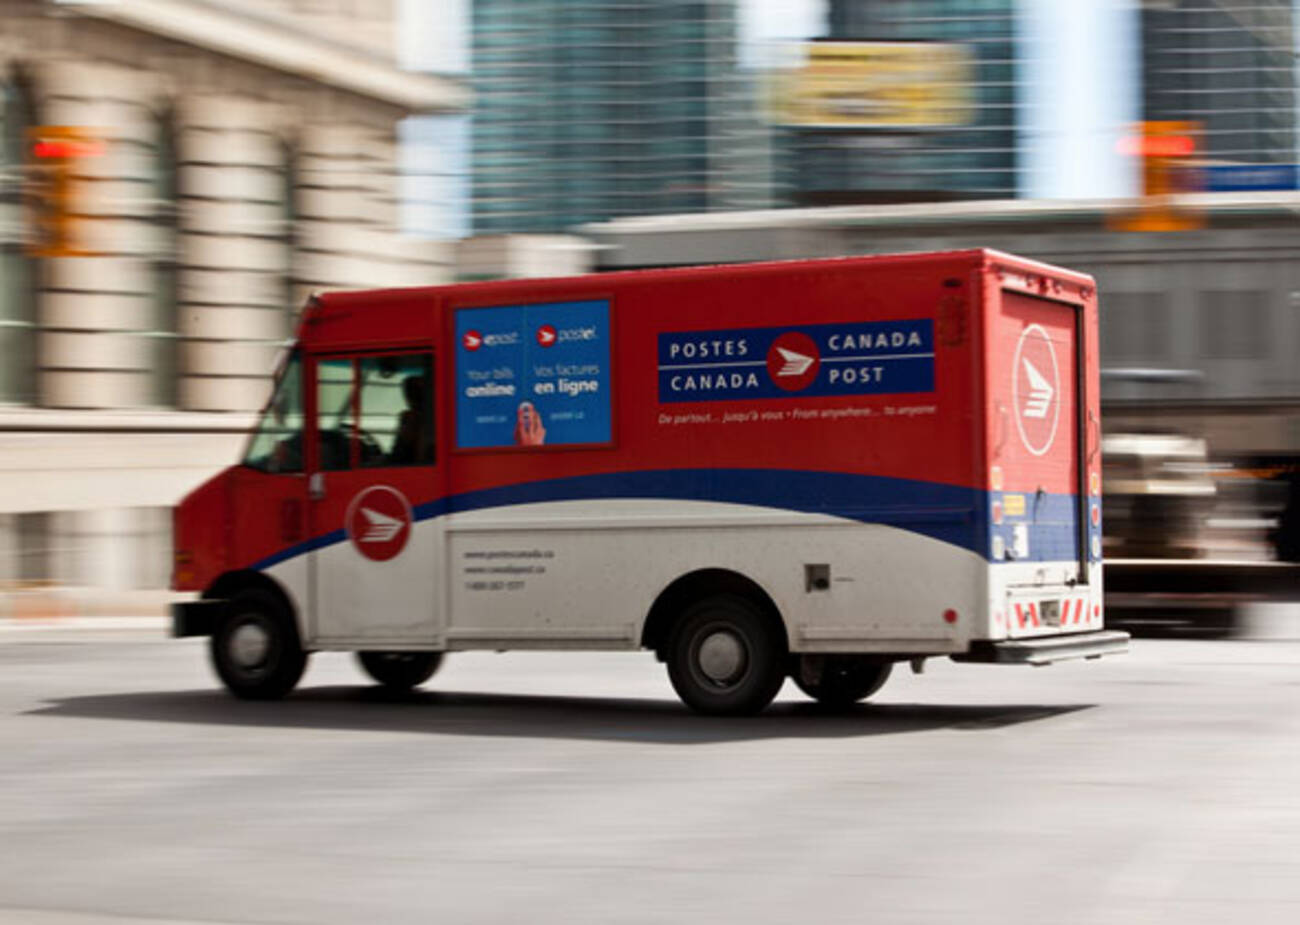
(1036, 390)
(862, 358)
(378, 522)
(793, 361)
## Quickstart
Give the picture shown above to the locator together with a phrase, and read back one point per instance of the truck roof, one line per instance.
(540, 285)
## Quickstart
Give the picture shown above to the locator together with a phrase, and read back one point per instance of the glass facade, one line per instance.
(17, 269)
(1229, 65)
(586, 111)
(975, 160)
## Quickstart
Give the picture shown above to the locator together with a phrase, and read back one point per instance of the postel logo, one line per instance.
(378, 522)
(472, 340)
(1036, 390)
(546, 336)
(793, 361)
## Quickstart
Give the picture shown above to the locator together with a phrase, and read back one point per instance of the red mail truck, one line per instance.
(809, 469)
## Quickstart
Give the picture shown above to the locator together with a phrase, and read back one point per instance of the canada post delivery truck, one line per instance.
(811, 469)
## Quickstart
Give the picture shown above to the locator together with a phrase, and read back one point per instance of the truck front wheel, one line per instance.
(726, 657)
(400, 671)
(255, 648)
(840, 680)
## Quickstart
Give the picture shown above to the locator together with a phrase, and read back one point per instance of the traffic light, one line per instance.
(50, 186)
(1166, 153)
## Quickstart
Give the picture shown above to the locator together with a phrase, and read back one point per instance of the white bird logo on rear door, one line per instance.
(1040, 393)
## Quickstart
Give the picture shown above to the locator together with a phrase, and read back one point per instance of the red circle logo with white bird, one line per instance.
(546, 336)
(378, 522)
(1036, 390)
(793, 361)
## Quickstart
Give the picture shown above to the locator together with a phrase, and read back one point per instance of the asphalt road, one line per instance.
(1161, 786)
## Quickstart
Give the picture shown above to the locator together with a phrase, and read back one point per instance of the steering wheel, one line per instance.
(370, 448)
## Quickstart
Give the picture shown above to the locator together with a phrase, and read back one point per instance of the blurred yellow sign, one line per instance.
(875, 85)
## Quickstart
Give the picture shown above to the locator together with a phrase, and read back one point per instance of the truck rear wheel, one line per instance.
(255, 649)
(400, 671)
(726, 658)
(840, 680)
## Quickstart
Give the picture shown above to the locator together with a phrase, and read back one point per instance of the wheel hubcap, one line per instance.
(722, 657)
(249, 645)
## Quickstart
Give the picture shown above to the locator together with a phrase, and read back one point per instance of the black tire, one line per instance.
(840, 680)
(726, 657)
(255, 649)
(400, 671)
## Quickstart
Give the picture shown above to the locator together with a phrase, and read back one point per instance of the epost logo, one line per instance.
(472, 340)
(546, 336)
(378, 522)
(1036, 390)
(793, 361)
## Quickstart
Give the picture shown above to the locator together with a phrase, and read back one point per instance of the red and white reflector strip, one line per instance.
(1027, 615)
(1075, 612)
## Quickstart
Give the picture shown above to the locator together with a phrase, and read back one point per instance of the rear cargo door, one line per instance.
(1037, 390)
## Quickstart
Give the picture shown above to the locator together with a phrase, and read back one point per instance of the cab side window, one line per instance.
(397, 409)
(375, 411)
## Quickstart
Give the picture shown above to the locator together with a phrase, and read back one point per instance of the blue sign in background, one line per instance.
(554, 357)
(1242, 178)
(862, 358)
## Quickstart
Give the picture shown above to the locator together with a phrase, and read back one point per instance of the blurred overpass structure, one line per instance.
(240, 155)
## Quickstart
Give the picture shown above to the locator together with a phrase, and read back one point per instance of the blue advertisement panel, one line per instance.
(533, 375)
(863, 358)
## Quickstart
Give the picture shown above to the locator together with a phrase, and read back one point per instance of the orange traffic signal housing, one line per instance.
(1165, 149)
(50, 182)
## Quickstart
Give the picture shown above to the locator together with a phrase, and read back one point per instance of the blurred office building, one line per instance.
(177, 177)
(902, 101)
(586, 111)
(1229, 68)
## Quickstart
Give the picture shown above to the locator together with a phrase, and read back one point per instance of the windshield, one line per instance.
(276, 445)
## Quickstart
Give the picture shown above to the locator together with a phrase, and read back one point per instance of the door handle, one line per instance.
(1092, 436)
(316, 486)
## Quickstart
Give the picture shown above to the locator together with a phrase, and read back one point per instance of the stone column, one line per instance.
(234, 258)
(93, 349)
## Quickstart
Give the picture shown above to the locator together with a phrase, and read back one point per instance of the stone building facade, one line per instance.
(246, 157)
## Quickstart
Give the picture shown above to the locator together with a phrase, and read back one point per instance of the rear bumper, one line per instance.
(1044, 650)
(196, 618)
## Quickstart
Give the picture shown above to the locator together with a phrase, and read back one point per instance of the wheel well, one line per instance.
(231, 583)
(675, 598)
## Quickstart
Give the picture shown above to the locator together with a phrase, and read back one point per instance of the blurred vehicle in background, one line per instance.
(1158, 494)
(1190, 541)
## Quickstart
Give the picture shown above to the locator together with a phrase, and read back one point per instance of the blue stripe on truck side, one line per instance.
(948, 513)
